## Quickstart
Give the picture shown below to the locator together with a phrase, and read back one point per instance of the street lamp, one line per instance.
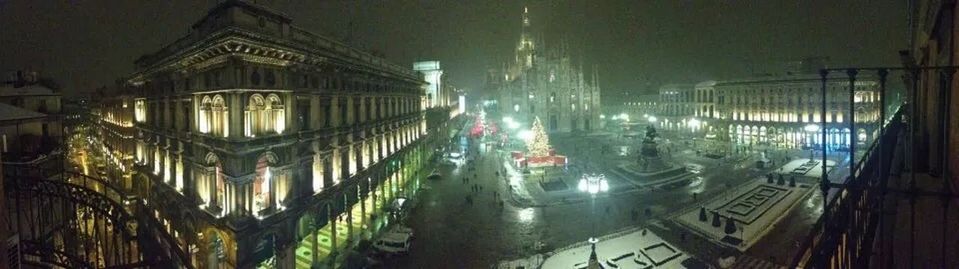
(624, 116)
(694, 124)
(593, 184)
(652, 119)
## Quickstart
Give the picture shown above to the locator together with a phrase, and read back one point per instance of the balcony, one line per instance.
(891, 207)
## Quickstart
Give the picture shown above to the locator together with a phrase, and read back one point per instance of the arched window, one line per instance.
(276, 114)
(263, 184)
(206, 114)
(253, 116)
(213, 186)
(139, 110)
(220, 123)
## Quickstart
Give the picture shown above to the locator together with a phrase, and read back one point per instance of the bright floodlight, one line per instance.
(602, 116)
(652, 118)
(624, 116)
(512, 124)
(645, 115)
(593, 184)
(525, 135)
(507, 119)
(812, 128)
(694, 123)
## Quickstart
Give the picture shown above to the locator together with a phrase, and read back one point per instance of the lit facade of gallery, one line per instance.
(781, 111)
(261, 144)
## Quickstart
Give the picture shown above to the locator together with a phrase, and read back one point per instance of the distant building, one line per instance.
(546, 84)
(635, 106)
(30, 120)
(781, 111)
(677, 106)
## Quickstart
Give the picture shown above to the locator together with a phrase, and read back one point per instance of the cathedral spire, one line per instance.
(524, 52)
(525, 17)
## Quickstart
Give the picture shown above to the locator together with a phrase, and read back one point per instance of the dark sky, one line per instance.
(636, 44)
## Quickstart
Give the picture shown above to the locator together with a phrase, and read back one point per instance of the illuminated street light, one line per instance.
(694, 123)
(652, 119)
(526, 135)
(512, 125)
(602, 116)
(507, 119)
(812, 128)
(593, 184)
(624, 116)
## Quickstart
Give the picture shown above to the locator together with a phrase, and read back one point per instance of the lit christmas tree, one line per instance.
(539, 144)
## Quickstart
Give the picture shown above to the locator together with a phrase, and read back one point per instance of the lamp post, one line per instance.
(593, 184)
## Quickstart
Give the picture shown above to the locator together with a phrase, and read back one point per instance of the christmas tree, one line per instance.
(539, 144)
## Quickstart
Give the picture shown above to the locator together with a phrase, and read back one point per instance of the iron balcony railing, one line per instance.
(856, 227)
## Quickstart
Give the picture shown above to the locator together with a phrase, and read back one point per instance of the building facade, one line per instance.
(679, 105)
(780, 111)
(30, 117)
(784, 111)
(545, 83)
(263, 145)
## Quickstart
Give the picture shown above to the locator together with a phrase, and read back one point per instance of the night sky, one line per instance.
(637, 45)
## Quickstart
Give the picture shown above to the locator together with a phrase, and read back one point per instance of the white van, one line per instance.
(393, 243)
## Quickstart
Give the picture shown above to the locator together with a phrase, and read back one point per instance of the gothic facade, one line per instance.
(545, 83)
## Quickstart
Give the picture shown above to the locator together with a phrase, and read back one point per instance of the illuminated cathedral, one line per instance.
(545, 83)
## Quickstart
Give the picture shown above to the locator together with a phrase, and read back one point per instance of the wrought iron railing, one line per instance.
(76, 221)
(850, 232)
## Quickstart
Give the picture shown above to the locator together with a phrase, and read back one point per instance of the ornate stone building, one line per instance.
(262, 144)
(112, 124)
(784, 111)
(546, 84)
(780, 111)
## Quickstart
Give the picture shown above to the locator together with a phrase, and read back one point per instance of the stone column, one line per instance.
(235, 117)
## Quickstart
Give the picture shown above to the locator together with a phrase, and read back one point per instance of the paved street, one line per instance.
(453, 233)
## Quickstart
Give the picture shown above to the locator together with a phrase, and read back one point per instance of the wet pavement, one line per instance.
(451, 232)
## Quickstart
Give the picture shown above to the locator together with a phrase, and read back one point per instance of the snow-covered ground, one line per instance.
(629, 250)
(756, 207)
(802, 167)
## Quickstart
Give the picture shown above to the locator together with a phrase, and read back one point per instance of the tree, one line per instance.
(539, 144)
(702, 214)
(781, 181)
(769, 178)
(716, 220)
(792, 181)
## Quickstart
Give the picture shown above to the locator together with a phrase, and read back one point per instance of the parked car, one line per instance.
(401, 229)
(434, 175)
(694, 168)
(390, 243)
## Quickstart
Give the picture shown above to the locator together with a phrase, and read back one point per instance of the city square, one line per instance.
(478, 134)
